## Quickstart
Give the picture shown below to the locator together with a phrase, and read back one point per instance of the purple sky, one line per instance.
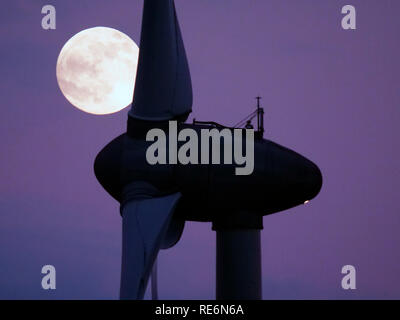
(330, 94)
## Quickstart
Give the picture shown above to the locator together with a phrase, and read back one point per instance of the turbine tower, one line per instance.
(156, 200)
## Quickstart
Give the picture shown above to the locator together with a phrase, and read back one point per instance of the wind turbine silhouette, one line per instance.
(156, 200)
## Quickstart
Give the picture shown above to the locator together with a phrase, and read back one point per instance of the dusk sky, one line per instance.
(332, 95)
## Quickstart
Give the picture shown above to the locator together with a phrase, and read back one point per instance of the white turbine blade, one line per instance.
(144, 226)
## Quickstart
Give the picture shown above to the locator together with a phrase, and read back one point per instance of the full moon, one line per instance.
(96, 70)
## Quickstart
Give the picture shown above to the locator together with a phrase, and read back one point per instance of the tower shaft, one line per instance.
(238, 265)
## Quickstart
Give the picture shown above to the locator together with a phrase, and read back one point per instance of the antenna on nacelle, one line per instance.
(259, 113)
(260, 119)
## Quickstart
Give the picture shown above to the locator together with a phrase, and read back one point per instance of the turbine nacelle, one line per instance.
(281, 178)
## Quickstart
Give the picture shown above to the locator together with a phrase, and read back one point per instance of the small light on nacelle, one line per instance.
(307, 201)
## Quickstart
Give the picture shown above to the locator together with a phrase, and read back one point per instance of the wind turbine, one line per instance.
(156, 200)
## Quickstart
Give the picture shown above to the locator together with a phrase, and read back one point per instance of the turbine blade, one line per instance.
(174, 233)
(163, 87)
(144, 226)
